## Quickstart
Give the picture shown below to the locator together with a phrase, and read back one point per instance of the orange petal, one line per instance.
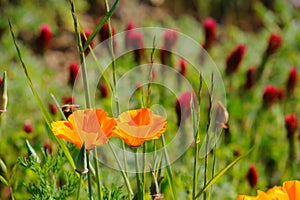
(64, 130)
(293, 189)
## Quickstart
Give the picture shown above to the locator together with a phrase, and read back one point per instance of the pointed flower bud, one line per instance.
(252, 176)
(270, 95)
(3, 93)
(291, 125)
(47, 147)
(275, 41)
(81, 164)
(250, 78)
(74, 68)
(68, 100)
(104, 32)
(44, 37)
(136, 42)
(235, 58)
(104, 91)
(209, 27)
(53, 108)
(292, 81)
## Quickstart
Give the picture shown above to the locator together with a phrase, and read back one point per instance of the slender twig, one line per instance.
(196, 137)
(79, 187)
(124, 175)
(138, 181)
(207, 133)
(89, 176)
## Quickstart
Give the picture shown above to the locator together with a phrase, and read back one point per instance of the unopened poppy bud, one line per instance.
(44, 37)
(74, 68)
(235, 58)
(47, 147)
(170, 38)
(275, 41)
(252, 176)
(3, 93)
(270, 95)
(291, 125)
(81, 164)
(209, 27)
(250, 78)
(27, 127)
(183, 67)
(292, 81)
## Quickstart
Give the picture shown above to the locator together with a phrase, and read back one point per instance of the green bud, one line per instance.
(81, 165)
(3, 94)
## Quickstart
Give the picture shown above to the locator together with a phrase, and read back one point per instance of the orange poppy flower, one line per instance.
(289, 191)
(136, 126)
(91, 126)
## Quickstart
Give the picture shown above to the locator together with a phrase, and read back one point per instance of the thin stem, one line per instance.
(124, 175)
(207, 134)
(169, 170)
(196, 138)
(98, 177)
(89, 176)
(79, 187)
(138, 181)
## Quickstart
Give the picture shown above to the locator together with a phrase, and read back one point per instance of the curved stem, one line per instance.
(79, 186)
(98, 177)
(89, 176)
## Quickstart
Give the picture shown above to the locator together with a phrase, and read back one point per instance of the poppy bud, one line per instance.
(183, 67)
(234, 59)
(164, 56)
(74, 68)
(27, 127)
(270, 95)
(209, 27)
(291, 125)
(252, 176)
(170, 38)
(47, 147)
(275, 41)
(81, 164)
(53, 109)
(292, 81)
(280, 94)
(250, 78)
(44, 37)
(3, 93)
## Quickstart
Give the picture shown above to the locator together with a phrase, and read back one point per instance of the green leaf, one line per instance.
(100, 24)
(45, 113)
(220, 173)
(31, 151)
(3, 166)
(2, 179)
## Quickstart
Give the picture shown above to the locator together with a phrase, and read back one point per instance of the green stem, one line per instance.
(79, 187)
(98, 177)
(124, 175)
(138, 181)
(195, 177)
(169, 170)
(89, 176)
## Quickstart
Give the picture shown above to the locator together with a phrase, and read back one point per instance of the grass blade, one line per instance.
(100, 24)
(220, 173)
(43, 109)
